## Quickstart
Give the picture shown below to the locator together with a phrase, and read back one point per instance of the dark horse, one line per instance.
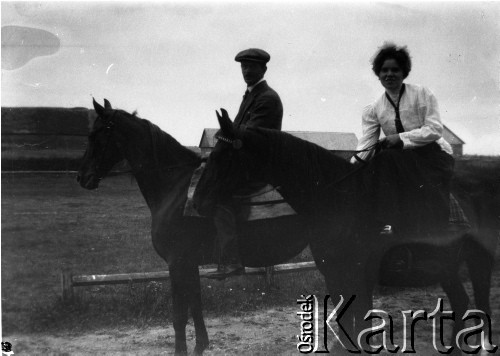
(320, 187)
(163, 168)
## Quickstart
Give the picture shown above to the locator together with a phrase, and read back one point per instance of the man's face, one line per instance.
(252, 71)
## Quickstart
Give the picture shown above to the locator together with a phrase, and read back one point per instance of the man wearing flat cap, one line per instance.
(261, 107)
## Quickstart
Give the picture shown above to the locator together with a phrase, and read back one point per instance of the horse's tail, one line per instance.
(480, 262)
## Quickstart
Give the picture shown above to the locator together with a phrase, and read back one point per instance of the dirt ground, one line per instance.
(266, 332)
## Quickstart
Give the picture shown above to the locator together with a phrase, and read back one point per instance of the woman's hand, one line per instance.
(392, 141)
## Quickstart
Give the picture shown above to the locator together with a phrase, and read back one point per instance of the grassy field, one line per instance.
(50, 224)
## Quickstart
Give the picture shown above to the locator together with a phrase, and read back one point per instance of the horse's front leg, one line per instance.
(196, 306)
(459, 302)
(180, 304)
(347, 311)
(355, 287)
(341, 320)
(480, 264)
(186, 294)
(363, 328)
(342, 274)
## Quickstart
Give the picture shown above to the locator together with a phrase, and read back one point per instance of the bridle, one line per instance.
(236, 143)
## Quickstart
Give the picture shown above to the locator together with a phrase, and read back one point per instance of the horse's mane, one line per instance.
(316, 164)
(164, 146)
(303, 166)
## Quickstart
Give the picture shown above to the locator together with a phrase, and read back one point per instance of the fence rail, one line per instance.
(39, 172)
(69, 281)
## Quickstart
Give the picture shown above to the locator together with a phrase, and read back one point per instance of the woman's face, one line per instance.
(391, 75)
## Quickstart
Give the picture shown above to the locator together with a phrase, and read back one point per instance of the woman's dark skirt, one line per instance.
(410, 189)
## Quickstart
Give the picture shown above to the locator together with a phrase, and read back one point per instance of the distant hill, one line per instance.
(45, 121)
(40, 138)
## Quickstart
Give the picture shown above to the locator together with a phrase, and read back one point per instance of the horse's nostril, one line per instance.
(78, 178)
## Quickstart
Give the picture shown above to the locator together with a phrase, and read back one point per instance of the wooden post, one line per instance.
(67, 286)
(269, 278)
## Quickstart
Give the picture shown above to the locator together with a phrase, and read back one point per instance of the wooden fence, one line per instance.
(69, 281)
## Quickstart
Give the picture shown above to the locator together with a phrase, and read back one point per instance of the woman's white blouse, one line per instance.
(418, 109)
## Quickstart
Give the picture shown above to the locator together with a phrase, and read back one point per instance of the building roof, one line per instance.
(333, 141)
(451, 137)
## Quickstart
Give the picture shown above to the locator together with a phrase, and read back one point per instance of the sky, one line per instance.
(173, 62)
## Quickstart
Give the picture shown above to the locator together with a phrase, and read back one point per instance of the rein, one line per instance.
(376, 146)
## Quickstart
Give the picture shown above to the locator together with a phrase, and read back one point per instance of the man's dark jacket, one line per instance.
(261, 108)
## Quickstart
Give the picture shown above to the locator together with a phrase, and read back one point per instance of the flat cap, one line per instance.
(253, 54)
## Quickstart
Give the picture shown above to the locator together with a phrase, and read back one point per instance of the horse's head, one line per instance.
(236, 159)
(103, 150)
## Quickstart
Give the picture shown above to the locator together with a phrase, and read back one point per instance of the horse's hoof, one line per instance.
(200, 347)
(198, 351)
(180, 353)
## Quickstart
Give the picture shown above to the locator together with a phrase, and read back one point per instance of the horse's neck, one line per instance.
(312, 181)
(162, 170)
(165, 192)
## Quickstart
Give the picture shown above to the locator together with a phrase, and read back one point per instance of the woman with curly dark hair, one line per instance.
(409, 178)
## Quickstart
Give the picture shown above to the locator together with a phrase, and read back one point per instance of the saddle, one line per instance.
(260, 202)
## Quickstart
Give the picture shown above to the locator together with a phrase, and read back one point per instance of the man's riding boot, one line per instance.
(225, 223)
(231, 258)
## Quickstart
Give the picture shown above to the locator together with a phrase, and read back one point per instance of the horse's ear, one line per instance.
(98, 108)
(226, 125)
(107, 104)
